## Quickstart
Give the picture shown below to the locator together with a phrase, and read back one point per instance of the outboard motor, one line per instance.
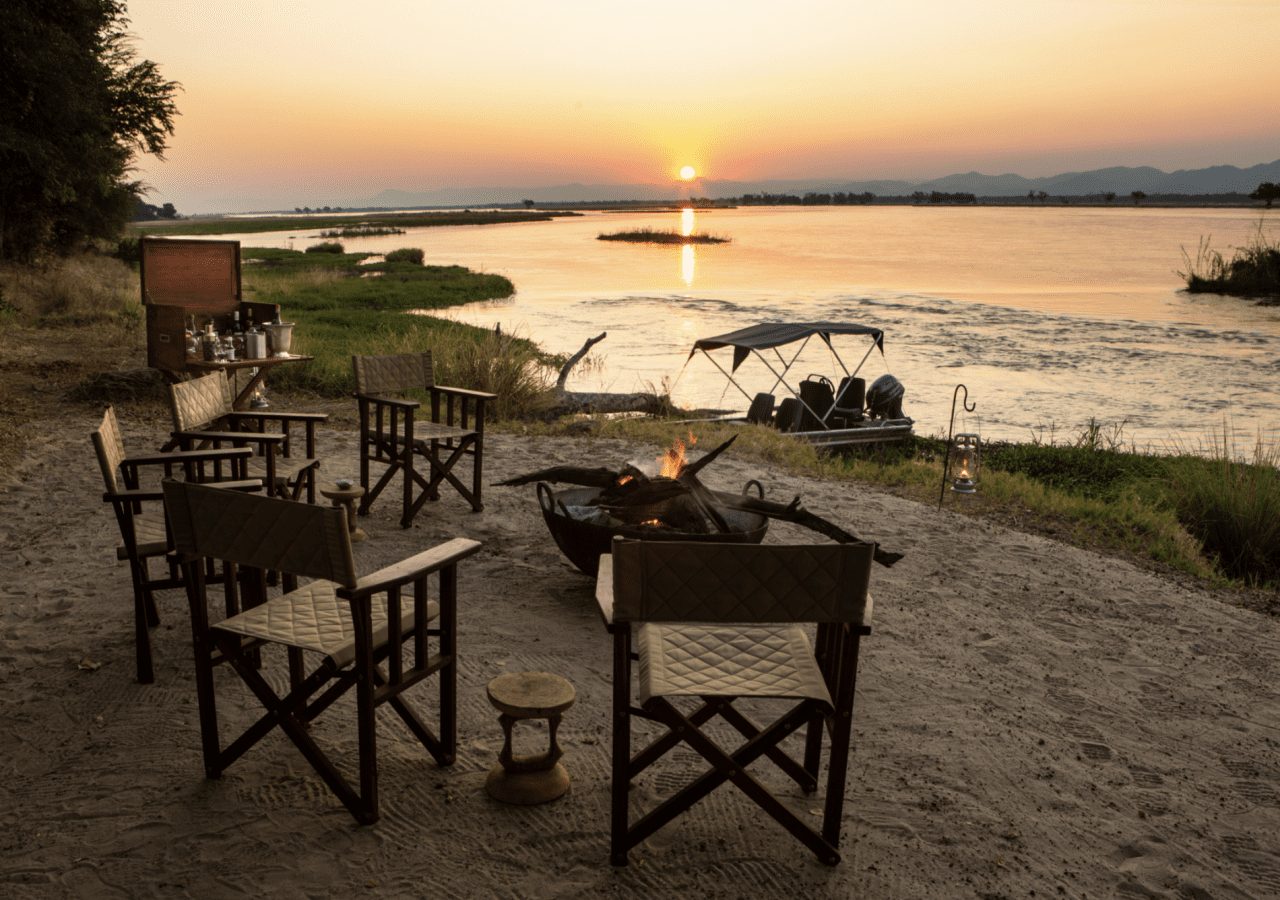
(884, 398)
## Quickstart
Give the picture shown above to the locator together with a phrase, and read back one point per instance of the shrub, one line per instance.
(1234, 508)
(406, 255)
(77, 290)
(1252, 271)
(325, 247)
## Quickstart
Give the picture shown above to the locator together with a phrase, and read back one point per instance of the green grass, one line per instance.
(239, 225)
(412, 255)
(1211, 517)
(326, 247)
(343, 309)
(79, 290)
(1252, 271)
(661, 236)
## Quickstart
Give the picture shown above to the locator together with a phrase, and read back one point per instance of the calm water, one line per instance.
(1050, 316)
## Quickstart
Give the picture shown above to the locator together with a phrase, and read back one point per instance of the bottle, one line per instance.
(209, 344)
(237, 336)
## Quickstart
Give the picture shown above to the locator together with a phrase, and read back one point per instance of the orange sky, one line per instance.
(289, 103)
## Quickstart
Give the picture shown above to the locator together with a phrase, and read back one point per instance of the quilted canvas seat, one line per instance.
(728, 661)
(314, 617)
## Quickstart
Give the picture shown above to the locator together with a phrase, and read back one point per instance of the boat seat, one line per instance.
(788, 414)
(761, 411)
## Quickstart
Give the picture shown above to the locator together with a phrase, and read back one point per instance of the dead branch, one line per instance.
(577, 357)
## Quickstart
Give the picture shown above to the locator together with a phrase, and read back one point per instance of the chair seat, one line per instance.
(424, 432)
(287, 467)
(149, 532)
(682, 659)
(314, 617)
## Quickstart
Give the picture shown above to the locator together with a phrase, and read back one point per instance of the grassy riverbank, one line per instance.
(342, 307)
(1211, 518)
(316, 223)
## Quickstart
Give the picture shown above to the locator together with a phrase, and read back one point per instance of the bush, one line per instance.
(1252, 271)
(325, 247)
(406, 255)
(1234, 508)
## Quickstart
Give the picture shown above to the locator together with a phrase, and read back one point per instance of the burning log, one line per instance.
(676, 499)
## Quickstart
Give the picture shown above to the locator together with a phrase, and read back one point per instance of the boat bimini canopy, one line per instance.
(771, 336)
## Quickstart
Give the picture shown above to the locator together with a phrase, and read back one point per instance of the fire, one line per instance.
(654, 523)
(624, 479)
(672, 461)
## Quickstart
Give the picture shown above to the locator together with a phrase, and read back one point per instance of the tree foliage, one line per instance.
(76, 105)
(1268, 191)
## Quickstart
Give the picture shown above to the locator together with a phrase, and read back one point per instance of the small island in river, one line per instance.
(661, 236)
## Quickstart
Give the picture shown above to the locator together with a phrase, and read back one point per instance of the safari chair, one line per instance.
(357, 626)
(141, 517)
(203, 416)
(718, 623)
(391, 434)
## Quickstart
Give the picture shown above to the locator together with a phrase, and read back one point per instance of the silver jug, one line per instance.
(281, 337)
(255, 345)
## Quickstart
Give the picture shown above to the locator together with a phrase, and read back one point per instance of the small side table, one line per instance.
(528, 780)
(346, 497)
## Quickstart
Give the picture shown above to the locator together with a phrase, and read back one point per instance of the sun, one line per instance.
(688, 173)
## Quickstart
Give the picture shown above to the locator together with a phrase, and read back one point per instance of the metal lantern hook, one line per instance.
(946, 464)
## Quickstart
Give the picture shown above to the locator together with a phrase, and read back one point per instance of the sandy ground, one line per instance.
(1032, 720)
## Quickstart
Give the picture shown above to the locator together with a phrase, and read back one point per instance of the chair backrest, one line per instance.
(109, 447)
(261, 532)
(195, 403)
(393, 374)
(695, 581)
(817, 397)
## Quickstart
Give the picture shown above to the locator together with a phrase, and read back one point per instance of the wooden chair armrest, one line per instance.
(397, 402)
(463, 392)
(178, 456)
(256, 437)
(413, 568)
(604, 589)
(134, 495)
(279, 416)
(248, 484)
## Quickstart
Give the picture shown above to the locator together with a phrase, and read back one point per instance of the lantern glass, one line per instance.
(966, 459)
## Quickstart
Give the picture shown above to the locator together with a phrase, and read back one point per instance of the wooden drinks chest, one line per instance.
(184, 278)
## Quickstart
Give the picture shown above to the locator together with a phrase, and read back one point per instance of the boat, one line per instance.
(816, 410)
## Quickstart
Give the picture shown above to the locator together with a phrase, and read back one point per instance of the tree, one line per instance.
(1138, 197)
(1267, 191)
(77, 106)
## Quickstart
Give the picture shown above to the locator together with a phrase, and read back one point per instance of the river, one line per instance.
(1051, 316)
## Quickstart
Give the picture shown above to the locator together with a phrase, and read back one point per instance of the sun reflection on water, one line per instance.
(687, 263)
(686, 221)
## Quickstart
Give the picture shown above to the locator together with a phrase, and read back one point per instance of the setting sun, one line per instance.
(688, 173)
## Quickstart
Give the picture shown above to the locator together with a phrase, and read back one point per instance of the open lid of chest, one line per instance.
(193, 274)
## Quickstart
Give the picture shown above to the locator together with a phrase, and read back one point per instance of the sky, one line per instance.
(290, 103)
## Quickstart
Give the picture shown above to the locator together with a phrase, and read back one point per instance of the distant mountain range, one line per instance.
(1121, 180)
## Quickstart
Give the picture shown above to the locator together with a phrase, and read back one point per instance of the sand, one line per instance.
(1032, 719)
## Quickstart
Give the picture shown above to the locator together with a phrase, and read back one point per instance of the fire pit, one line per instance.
(583, 530)
(671, 505)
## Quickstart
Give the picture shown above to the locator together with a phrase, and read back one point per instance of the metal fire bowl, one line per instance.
(583, 542)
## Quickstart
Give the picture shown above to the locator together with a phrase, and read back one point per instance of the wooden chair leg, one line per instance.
(619, 840)
(142, 624)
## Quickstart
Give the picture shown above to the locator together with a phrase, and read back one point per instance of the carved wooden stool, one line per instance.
(345, 494)
(529, 695)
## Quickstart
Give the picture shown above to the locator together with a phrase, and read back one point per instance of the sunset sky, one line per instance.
(329, 102)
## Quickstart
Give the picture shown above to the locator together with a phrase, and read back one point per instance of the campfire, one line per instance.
(672, 504)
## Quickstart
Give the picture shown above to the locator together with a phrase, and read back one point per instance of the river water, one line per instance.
(1050, 316)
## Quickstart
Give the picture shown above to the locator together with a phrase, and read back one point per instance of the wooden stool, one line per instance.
(346, 496)
(529, 695)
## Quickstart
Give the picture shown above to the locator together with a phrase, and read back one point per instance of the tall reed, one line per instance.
(1233, 507)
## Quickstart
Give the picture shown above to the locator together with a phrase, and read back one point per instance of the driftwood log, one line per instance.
(684, 502)
(567, 402)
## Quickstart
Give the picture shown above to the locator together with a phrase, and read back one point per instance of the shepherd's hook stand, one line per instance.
(946, 461)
